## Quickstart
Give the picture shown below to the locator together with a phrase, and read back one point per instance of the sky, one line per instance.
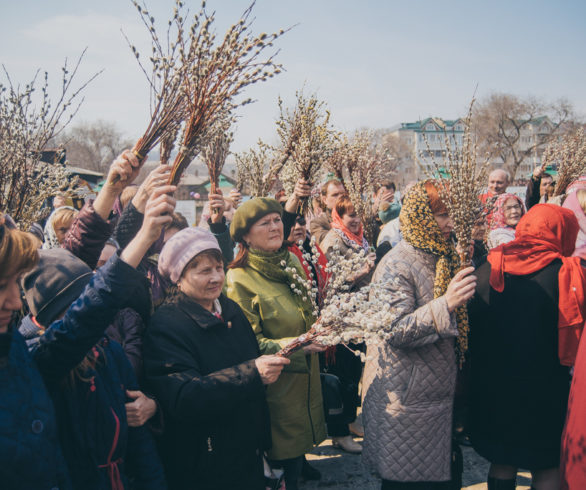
(375, 63)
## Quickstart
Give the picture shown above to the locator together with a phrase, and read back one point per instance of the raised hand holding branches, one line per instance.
(307, 129)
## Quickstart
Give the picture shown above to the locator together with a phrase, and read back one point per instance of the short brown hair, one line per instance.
(178, 221)
(388, 184)
(344, 205)
(326, 186)
(211, 253)
(18, 252)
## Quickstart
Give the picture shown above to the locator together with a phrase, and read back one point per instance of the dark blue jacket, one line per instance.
(30, 455)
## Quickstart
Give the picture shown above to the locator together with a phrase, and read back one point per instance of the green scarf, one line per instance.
(419, 229)
(270, 265)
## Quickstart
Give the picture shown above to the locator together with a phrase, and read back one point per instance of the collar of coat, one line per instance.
(204, 318)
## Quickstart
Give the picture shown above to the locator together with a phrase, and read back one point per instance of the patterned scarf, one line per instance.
(420, 230)
(350, 239)
(51, 240)
(270, 265)
(497, 219)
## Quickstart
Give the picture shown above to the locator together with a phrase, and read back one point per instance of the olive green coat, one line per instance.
(295, 401)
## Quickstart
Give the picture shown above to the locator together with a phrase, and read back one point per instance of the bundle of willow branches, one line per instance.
(166, 79)
(257, 169)
(364, 166)
(307, 126)
(216, 75)
(569, 154)
(216, 150)
(26, 127)
(464, 182)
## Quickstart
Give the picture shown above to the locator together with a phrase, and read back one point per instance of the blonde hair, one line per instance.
(581, 196)
(18, 252)
(63, 218)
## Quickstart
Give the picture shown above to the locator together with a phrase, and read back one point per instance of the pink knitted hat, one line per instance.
(181, 248)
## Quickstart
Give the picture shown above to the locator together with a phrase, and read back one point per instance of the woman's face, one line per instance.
(445, 223)
(351, 221)
(512, 211)
(9, 300)
(61, 232)
(266, 234)
(204, 281)
(298, 232)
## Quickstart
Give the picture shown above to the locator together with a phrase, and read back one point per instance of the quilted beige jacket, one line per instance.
(409, 380)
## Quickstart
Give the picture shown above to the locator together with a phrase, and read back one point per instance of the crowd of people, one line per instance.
(138, 352)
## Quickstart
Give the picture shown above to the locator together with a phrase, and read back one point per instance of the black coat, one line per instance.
(519, 389)
(201, 369)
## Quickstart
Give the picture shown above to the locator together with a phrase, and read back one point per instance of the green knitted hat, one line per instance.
(250, 212)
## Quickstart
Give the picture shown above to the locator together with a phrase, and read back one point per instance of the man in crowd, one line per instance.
(331, 191)
(539, 187)
(498, 181)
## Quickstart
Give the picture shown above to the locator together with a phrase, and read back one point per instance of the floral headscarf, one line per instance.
(497, 217)
(420, 229)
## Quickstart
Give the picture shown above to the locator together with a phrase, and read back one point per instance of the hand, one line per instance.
(314, 347)
(235, 197)
(123, 171)
(461, 288)
(539, 171)
(302, 190)
(140, 410)
(156, 178)
(270, 367)
(157, 215)
(217, 206)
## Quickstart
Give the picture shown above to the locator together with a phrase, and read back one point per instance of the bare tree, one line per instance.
(510, 128)
(94, 146)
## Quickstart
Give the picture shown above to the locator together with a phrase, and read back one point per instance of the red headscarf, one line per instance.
(338, 224)
(547, 232)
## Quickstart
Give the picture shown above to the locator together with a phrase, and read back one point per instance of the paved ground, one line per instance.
(344, 471)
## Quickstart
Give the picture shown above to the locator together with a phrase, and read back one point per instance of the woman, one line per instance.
(261, 280)
(347, 235)
(409, 380)
(202, 363)
(530, 299)
(58, 225)
(507, 211)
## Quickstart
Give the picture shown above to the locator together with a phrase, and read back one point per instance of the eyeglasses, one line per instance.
(514, 207)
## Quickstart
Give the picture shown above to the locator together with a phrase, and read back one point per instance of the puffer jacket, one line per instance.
(409, 380)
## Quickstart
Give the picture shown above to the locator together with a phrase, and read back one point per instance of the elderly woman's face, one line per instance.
(204, 281)
(266, 234)
(513, 211)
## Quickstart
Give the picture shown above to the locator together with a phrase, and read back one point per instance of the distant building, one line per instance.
(426, 139)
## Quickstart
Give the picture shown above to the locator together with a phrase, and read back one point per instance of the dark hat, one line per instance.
(250, 212)
(54, 284)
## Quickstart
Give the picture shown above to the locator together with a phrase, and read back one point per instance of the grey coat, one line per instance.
(409, 381)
